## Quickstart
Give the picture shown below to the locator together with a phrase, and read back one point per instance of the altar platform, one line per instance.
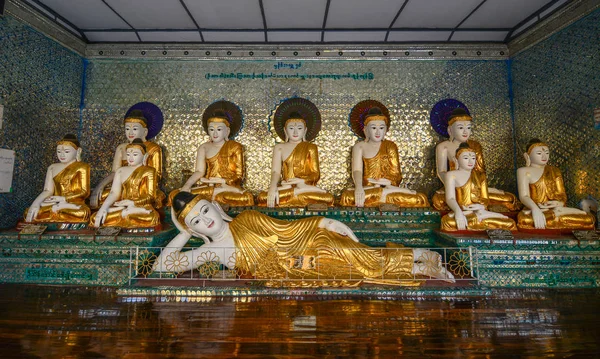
(79, 257)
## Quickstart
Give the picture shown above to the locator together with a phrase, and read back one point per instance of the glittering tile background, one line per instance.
(408, 88)
(557, 86)
(40, 88)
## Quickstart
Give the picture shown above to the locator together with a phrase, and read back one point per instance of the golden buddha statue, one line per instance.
(132, 194)
(66, 187)
(467, 196)
(318, 250)
(143, 121)
(542, 191)
(459, 131)
(296, 161)
(375, 163)
(220, 162)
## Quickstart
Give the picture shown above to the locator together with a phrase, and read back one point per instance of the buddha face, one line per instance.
(205, 219)
(135, 130)
(66, 153)
(375, 130)
(460, 130)
(135, 156)
(539, 155)
(466, 160)
(218, 132)
(295, 131)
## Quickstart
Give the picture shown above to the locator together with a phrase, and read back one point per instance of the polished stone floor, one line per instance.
(58, 322)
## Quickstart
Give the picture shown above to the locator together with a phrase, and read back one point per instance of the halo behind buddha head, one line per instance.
(363, 110)
(151, 113)
(301, 108)
(442, 112)
(227, 111)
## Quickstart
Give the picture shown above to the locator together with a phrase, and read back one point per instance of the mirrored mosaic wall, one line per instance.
(409, 89)
(556, 87)
(40, 88)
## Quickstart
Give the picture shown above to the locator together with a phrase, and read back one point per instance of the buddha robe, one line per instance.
(506, 199)
(228, 164)
(274, 249)
(385, 164)
(474, 191)
(73, 183)
(550, 187)
(140, 187)
(302, 163)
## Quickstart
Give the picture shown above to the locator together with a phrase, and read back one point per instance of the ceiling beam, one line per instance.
(264, 19)
(394, 20)
(193, 20)
(58, 16)
(465, 19)
(122, 18)
(530, 17)
(325, 20)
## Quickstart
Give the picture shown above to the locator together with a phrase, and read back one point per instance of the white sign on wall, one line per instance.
(7, 165)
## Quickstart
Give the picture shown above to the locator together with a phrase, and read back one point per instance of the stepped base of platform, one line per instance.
(532, 260)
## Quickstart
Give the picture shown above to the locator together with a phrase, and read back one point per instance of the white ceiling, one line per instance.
(296, 21)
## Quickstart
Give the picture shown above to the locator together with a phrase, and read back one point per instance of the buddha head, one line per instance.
(295, 128)
(537, 153)
(459, 125)
(218, 128)
(465, 157)
(376, 125)
(203, 218)
(136, 153)
(136, 126)
(68, 149)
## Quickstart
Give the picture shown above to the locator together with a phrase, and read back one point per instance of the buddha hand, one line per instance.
(64, 205)
(338, 227)
(95, 197)
(55, 200)
(461, 221)
(380, 181)
(272, 197)
(100, 217)
(551, 204)
(32, 212)
(212, 180)
(539, 220)
(293, 181)
(359, 197)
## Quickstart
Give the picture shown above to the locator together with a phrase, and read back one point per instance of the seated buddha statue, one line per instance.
(467, 196)
(376, 168)
(137, 125)
(542, 192)
(296, 164)
(459, 131)
(66, 187)
(130, 201)
(314, 249)
(219, 163)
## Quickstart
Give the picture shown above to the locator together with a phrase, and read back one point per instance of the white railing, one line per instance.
(277, 264)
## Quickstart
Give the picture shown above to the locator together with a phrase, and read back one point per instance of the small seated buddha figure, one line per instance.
(219, 162)
(376, 167)
(137, 125)
(130, 201)
(66, 187)
(459, 131)
(296, 164)
(542, 191)
(467, 197)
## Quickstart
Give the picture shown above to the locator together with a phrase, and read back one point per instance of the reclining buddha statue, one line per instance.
(220, 161)
(542, 192)
(317, 250)
(467, 196)
(376, 169)
(144, 121)
(130, 201)
(66, 188)
(457, 126)
(296, 161)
